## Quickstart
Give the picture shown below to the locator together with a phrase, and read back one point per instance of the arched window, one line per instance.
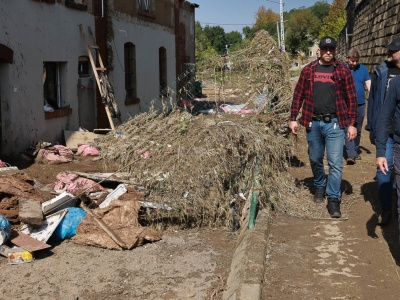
(130, 70)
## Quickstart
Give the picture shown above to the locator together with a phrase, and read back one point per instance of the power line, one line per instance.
(207, 23)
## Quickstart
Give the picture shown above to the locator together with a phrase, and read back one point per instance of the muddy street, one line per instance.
(331, 258)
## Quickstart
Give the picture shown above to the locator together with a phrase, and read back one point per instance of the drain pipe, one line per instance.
(253, 203)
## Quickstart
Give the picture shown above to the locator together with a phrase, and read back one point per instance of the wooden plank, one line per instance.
(26, 242)
(73, 139)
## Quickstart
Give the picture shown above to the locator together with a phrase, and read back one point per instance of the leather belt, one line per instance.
(327, 118)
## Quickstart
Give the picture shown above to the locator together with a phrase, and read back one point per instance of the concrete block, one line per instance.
(30, 211)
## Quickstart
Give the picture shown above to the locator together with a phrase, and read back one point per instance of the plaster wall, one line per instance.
(147, 41)
(37, 32)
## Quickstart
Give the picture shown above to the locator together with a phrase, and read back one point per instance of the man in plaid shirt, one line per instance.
(326, 95)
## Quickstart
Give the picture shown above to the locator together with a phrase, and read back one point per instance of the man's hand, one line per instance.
(351, 133)
(293, 126)
(381, 163)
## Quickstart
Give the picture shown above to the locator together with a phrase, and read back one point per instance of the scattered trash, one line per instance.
(44, 232)
(66, 229)
(5, 229)
(115, 194)
(58, 203)
(16, 255)
(87, 150)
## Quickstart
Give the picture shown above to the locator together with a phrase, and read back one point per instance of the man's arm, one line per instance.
(368, 85)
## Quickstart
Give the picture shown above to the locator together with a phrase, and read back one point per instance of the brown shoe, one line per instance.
(385, 217)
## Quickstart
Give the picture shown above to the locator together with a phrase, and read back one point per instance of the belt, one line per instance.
(323, 117)
(361, 104)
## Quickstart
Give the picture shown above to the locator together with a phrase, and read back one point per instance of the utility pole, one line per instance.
(279, 35)
(282, 26)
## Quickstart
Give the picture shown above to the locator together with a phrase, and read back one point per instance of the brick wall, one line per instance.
(371, 24)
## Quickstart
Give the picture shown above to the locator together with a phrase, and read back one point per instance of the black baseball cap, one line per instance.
(394, 45)
(327, 41)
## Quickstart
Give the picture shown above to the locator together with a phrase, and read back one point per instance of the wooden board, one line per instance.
(73, 139)
(26, 242)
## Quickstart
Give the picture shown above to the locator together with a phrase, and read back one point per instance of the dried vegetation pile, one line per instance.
(207, 167)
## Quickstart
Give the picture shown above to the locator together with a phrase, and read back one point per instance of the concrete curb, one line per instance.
(248, 263)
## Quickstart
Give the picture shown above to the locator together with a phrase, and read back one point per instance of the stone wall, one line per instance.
(371, 24)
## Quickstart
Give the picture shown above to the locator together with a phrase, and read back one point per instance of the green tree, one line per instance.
(301, 31)
(233, 39)
(216, 36)
(203, 48)
(320, 9)
(336, 20)
(249, 32)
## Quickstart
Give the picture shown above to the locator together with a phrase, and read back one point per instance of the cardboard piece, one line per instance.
(44, 232)
(73, 139)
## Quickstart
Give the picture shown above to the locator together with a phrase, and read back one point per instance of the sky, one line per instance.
(233, 15)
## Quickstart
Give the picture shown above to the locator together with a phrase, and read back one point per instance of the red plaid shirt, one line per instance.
(345, 95)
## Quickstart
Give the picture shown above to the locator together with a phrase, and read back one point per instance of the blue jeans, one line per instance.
(353, 146)
(320, 136)
(385, 181)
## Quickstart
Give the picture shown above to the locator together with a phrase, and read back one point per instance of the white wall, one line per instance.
(37, 32)
(148, 40)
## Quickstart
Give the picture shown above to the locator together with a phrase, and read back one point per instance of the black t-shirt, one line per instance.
(324, 90)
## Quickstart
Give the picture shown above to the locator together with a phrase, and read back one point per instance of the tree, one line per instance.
(233, 39)
(320, 9)
(203, 48)
(265, 17)
(301, 31)
(216, 36)
(249, 32)
(336, 20)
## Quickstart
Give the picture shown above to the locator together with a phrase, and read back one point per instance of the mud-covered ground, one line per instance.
(188, 264)
(332, 258)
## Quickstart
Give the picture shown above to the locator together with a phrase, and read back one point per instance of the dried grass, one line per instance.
(199, 164)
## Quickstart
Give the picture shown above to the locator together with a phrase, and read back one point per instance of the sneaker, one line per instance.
(319, 195)
(334, 207)
(384, 218)
(351, 160)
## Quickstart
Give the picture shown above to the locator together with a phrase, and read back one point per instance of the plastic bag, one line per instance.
(5, 229)
(68, 225)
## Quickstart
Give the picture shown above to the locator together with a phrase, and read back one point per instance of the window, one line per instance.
(146, 5)
(53, 83)
(83, 66)
(130, 70)
(162, 60)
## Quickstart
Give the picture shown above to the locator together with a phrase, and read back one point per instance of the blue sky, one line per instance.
(240, 12)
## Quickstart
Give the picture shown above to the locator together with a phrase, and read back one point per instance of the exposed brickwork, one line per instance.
(372, 23)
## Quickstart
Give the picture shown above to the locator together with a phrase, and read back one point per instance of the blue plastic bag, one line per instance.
(5, 229)
(67, 227)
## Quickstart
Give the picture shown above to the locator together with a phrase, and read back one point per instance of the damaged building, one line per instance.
(47, 83)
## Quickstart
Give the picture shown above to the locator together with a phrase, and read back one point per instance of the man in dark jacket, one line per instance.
(381, 79)
(384, 128)
(326, 94)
